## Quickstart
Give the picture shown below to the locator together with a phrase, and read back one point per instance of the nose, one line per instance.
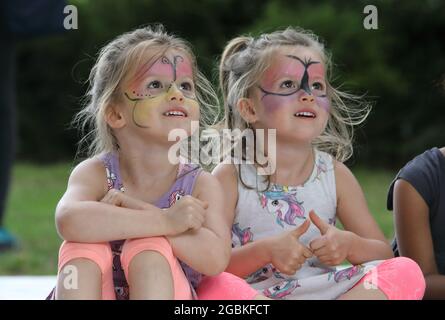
(307, 98)
(174, 94)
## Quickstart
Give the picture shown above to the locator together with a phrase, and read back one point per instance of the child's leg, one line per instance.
(394, 279)
(152, 271)
(85, 272)
(226, 286)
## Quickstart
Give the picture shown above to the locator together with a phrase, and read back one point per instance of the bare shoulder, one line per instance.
(227, 175)
(346, 183)
(342, 172)
(225, 172)
(89, 174)
(206, 181)
(90, 168)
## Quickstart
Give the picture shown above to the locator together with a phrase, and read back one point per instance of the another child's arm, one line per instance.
(82, 217)
(413, 233)
(206, 250)
(362, 240)
(283, 251)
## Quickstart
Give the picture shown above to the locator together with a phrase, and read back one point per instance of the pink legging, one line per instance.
(225, 286)
(398, 278)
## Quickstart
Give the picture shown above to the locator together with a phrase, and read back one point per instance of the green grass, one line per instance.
(36, 190)
(30, 216)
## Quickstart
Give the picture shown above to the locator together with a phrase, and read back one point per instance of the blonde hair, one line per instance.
(245, 59)
(114, 62)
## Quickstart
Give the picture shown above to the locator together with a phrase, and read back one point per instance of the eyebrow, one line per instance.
(306, 62)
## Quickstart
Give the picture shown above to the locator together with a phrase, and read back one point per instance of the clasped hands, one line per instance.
(288, 254)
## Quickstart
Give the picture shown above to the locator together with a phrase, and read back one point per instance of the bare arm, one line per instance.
(81, 217)
(413, 233)
(249, 257)
(367, 241)
(207, 249)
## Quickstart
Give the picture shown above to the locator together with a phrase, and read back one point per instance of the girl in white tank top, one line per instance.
(285, 243)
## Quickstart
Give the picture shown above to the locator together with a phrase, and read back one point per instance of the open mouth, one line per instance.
(175, 113)
(305, 114)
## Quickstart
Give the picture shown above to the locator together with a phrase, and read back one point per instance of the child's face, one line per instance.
(291, 94)
(160, 95)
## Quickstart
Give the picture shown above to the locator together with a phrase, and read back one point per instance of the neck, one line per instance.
(142, 163)
(294, 163)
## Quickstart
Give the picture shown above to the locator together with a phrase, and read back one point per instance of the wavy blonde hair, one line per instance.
(245, 59)
(114, 62)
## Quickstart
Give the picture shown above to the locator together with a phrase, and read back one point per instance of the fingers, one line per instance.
(197, 201)
(317, 243)
(298, 232)
(307, 253)
(318, 222)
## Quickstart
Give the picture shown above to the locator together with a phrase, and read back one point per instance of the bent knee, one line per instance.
(86, 255)
(148, 251)
(408, 282)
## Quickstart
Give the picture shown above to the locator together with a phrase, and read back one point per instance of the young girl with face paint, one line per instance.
(284, 236)
(144, 84)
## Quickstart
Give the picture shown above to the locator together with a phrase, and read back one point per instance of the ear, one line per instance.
(114, 117)
(246, 108)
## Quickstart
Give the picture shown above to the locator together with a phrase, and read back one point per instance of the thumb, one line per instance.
(298, 232)
(319, 223)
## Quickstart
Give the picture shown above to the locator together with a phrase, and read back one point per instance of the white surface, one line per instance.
(26, 287)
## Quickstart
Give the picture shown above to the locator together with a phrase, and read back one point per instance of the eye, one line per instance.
(288, 84)
(178, 196)
(187, 86)
(318, 86)
(154, 85)
(275, 202)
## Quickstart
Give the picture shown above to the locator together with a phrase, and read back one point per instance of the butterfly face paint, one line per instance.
(290, 79)
(167, 79)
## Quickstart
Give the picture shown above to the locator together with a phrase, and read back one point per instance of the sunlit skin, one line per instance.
(165, 85)
(294, 82)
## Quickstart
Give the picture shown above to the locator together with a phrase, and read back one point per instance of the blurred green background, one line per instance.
(400, 68)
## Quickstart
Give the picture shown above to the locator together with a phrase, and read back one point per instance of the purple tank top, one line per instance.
(184, 184)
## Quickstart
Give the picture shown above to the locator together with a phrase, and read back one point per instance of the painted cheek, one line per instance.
(193, 107)
(324, 103)
(273, 103)
(142, 110)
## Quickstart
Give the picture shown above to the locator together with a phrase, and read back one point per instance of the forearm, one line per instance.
(92, 221)
(248, 258)
(203, 250)
(435, 286)
(364, 250)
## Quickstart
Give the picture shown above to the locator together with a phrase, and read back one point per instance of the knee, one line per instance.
(411, 282)
(413, 274)
(148, 253)
(86, 256)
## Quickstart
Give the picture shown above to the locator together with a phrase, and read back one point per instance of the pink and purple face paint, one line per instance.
(304, 77)
(154, 79)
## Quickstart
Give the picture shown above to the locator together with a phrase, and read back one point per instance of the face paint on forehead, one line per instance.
(173, 68)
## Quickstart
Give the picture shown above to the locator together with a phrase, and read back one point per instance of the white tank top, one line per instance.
(262, 213)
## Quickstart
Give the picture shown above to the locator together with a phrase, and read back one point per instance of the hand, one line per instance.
(332, 248)
(120, 199)
(287, 254)
(187, 213)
